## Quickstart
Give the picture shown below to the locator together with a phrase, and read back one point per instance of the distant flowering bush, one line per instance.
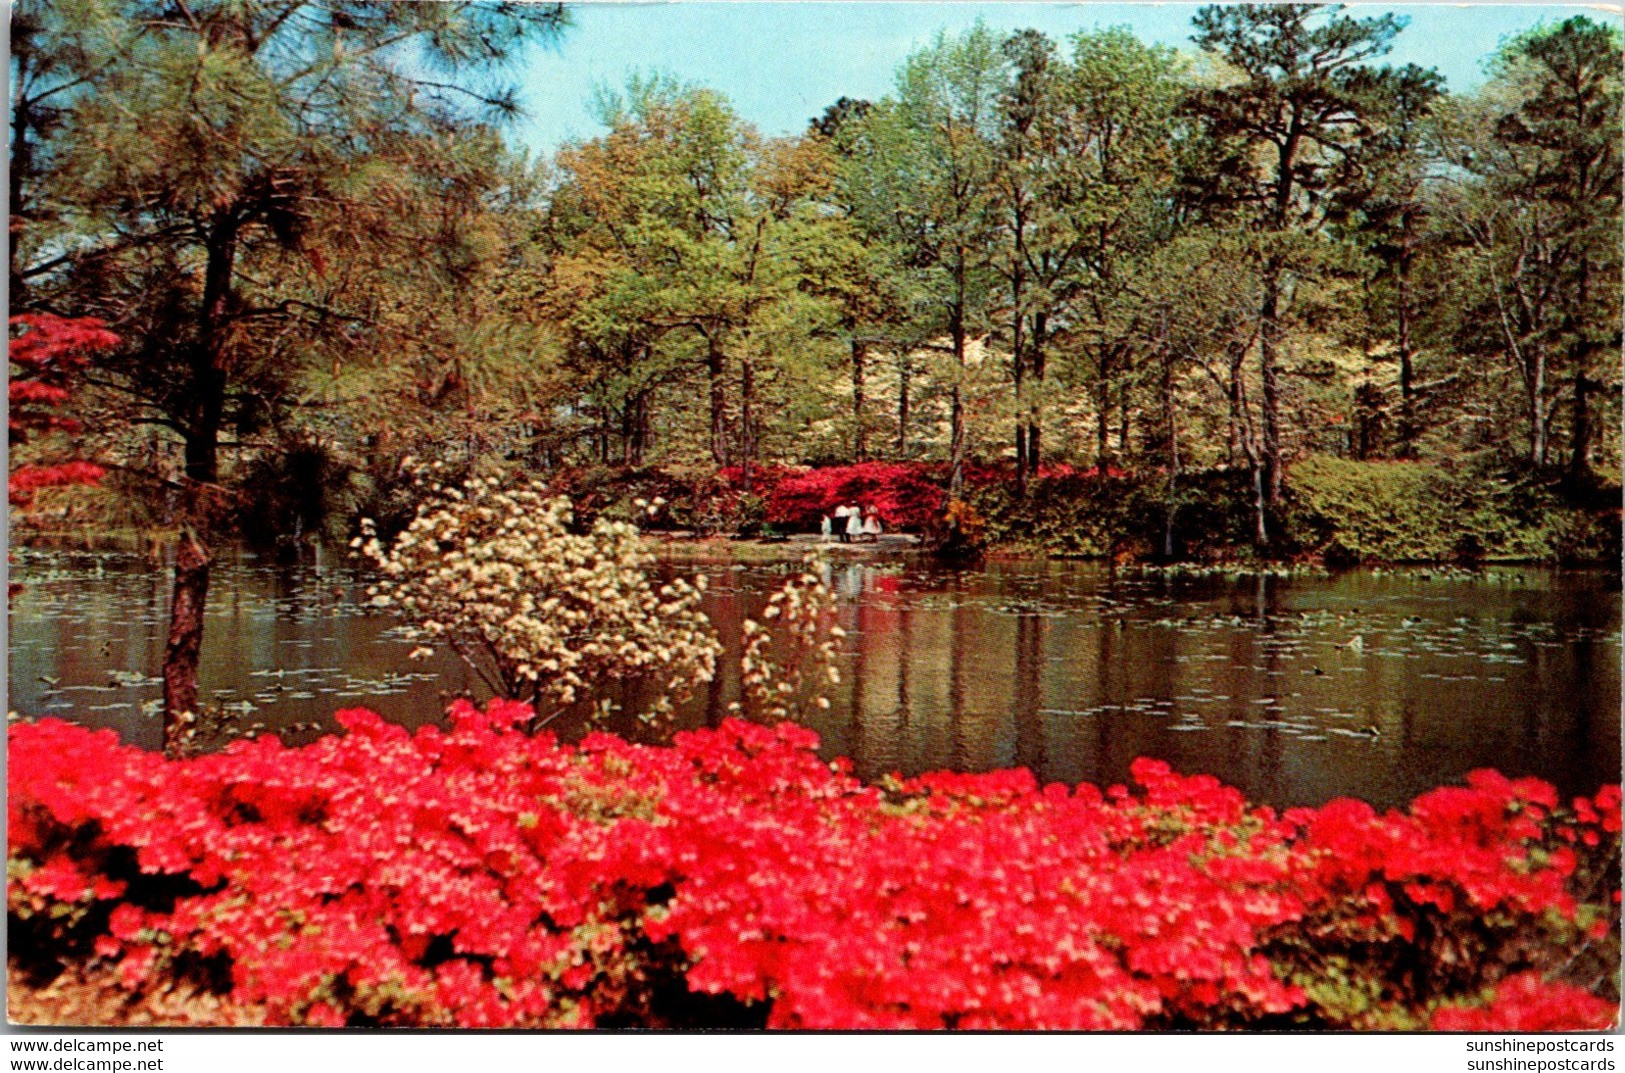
(480, 876)
(496, 574)
(905, 495)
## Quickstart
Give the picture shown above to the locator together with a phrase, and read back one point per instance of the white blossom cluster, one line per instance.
(539, 612)
(789, 685)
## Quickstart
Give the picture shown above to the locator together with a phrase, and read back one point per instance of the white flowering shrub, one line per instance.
(539, 612)
(785, 671)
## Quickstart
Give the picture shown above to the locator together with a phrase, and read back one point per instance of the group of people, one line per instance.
(851, 524)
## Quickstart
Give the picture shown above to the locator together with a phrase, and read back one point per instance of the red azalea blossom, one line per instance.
(479, 876)
(905, 495)
(1528, 1003)
(46, 355)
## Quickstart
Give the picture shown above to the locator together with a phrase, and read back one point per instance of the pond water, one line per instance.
(1296, 689)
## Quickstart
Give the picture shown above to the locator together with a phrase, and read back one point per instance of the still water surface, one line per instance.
(1296, 689)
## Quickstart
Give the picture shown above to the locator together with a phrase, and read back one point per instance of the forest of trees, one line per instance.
(321, 254)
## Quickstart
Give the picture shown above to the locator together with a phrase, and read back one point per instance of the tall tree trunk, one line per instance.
(1170, 431)
(860, 355)
(1407, 374)
(1269, 337)
(1233, 447)
(956, 424)
(715, 369)
(1580, 432)
(184, 646)
(1035, 412)
(1018, 370)
(1241, 445)
(747, 416)
(905, 372)
(1261, 507)
(1580, 428)
(22, 161)
(1537, 416)
(642, 433)
(627, 418)
(1103, 413)
(634, 427)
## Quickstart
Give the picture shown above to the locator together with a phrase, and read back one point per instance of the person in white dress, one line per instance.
(854, 524)
(826, 531)
(871, 525)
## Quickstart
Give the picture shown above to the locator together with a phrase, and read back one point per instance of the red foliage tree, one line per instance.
(47, 354)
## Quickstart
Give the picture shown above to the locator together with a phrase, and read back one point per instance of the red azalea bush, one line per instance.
(905, 495)
(1528, 1003)
(479, 876)
(46, 356)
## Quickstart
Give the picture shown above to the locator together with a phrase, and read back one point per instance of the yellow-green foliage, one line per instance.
(1381, 510)
(1410, 511)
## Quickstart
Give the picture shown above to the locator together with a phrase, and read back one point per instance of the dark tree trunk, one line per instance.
(1579, 468)
(1170, 432)
(208, 365)
(860, 356)
(642, 432)
(956, 423)
(1261, 512)
(1536, 394)
(905, 372)
(1103, 414)
(1233, 448)
(1035, 413)
(1269, 329)
(202, 453)
(1021, 446)
(715, 369)
(22, 164)
(1407, 373)
(185, 643)
(1241, 446)
(627, 417)
(747, 418)
(634, 428)
(1270, 384)
(956, 434)
(1018, 371)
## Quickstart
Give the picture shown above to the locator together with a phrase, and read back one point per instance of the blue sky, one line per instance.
(781, 63)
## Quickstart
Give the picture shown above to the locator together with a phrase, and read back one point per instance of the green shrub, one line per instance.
(1122, 515)
(1412, 511)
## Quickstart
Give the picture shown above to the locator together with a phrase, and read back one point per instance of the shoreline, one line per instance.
(684, 544)
(688, 543)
